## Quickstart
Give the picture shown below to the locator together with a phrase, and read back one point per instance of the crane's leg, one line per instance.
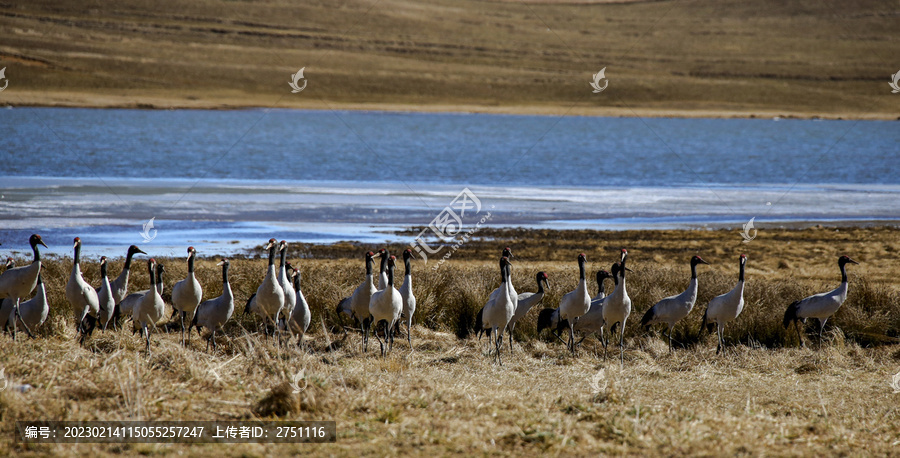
(572, 337)
(499, 340)
(510, 329)
(821, 328)
(799, 337)
(146, 330)
(719, 335)
(670, 338)
(409, 332)
(182, 329)
(622, 344)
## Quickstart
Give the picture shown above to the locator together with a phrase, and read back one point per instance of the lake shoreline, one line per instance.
(40, 99)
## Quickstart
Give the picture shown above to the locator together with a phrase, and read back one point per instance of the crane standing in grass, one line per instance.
(820, 306)
(726, 307)
(675, 308)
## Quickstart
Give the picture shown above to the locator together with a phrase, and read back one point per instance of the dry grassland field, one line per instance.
(683, 58)
(762, 396)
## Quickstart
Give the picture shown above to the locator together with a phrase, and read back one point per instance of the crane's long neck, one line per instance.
(540, 287)
(283, 256)
(128, 257)
(693, 270)
(159, 281)
(383, 263)
(408, 271)
(741, 275)
(843, 273)
(102, 270)
(369, 269)
(390, 274)
(272, 257)
(77, 259)
(37, 252)
(581, 270)
(191, 265)
(153, 276)
(225, 274)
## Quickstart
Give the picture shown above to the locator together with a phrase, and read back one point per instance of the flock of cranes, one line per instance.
(280, 304)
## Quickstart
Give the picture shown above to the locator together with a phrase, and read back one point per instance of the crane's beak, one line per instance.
(704, 262)
(850, 260)
(220, 263)
(42, 243)
(141, 251)
(629, 269)
(547, 282)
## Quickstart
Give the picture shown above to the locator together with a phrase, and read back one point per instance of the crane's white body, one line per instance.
(149, 310)
(727, 307)
(214, 313)
(32, 312)
(408, 297)
(300, 315)
(290, 296)
(80, 294)
(269, 299)
(575, 303)
(618, 307)
(16, 283)
(499, 310)
(386, 305)
(105, 297)
(187, 294)
(672, 309)
(127, 305)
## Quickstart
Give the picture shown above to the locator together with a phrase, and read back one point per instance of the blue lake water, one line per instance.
(231, 179)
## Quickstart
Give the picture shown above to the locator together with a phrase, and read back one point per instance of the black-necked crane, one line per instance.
(269, 298)
(358, 302)
(33, 312)
(300, 317)
(385, 306)
(479, 317)
(672, 309)
(126, 307)
(592, 321)
(119, 286)
(409, 298)
(526, 301)
(82, 297)
(105, 295)
(499, 310)
(286, 282)
(726, 307)
(214, 313)
(575, 303)
(618, 307)
(18, 282)
(187, 294)
(150, 309)
(820, 306)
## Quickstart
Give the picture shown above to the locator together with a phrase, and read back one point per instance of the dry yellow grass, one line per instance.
(447, 397)
(663, 58)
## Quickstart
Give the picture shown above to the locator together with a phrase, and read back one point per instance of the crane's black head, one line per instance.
(582, 258)
(507, 253)
(697, 260)
(407, 254)
(133, 249)
(843, 260)
(102, 260)
(602, 275)
(77, 241)
(392, 261)
(369, 255)
(287, 265)
(224, 263)
(382, 252)
(744, 259)
(36, 240)
(624, 254)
